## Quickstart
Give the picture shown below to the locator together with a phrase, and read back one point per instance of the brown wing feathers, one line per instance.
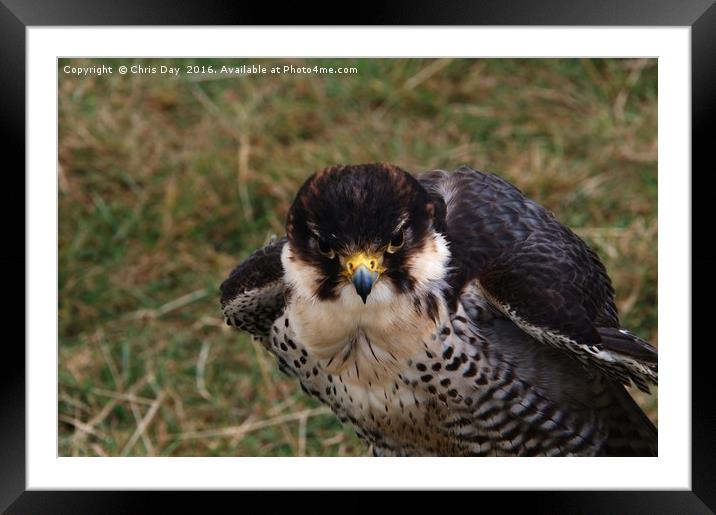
(536, 271)
(252, 297)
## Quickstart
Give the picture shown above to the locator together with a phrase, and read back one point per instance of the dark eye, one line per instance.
(325, 249)
(396, 241)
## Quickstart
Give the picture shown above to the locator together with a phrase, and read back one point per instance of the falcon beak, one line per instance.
(363, 271)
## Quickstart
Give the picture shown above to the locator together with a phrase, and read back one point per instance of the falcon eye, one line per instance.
(325, 249)
(396, 241)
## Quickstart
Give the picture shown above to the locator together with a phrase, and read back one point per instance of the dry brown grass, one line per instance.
(166, 183)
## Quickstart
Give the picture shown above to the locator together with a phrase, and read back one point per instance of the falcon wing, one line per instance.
(537, 272)
(565, 391)
(252, 297)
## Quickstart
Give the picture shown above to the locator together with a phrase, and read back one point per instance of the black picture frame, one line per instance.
(17, 15)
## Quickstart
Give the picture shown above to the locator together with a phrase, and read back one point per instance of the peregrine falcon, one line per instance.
(445, 314)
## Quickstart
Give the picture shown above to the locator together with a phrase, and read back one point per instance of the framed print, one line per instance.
(179, 148)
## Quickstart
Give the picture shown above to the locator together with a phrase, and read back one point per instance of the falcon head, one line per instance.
(367, 232)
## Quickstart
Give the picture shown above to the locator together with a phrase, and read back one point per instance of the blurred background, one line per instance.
(167, 181)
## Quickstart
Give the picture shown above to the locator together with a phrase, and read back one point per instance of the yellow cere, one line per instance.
(370, 261)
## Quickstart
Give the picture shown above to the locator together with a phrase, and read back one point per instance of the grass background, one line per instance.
(167, 182)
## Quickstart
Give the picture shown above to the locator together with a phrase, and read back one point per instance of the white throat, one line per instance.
(388, 320)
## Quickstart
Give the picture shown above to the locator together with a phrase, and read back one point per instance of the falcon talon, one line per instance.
(535, 363)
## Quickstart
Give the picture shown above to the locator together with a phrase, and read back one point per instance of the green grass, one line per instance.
(166, 183)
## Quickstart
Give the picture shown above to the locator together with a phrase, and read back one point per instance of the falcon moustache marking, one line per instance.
(389, 319)
(446, 315)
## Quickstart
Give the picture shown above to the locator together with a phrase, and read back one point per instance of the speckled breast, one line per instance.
(457, 395)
